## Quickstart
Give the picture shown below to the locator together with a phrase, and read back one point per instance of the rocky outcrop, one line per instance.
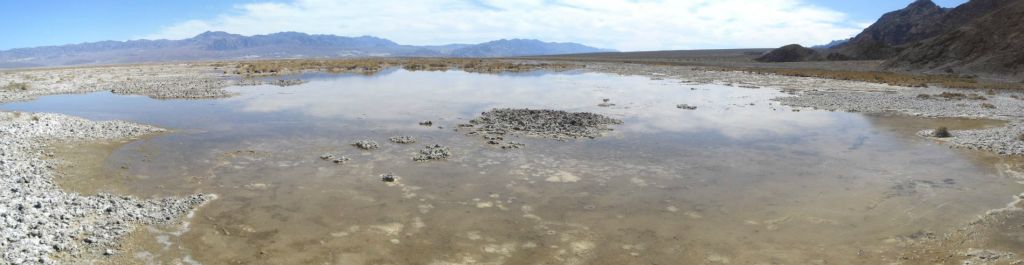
(895, 30)
(989, 43)
(790, 53)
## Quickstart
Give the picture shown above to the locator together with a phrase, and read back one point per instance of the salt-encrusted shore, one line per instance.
(870, 98)
(39, 221)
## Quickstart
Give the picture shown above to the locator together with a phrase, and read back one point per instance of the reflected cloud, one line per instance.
(647, 105)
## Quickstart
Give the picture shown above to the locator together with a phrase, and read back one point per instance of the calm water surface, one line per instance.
(740, 180)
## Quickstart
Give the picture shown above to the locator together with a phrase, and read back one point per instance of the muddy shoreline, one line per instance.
(93, 230)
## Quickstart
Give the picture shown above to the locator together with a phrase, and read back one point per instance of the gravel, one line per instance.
(39, 221)
(163, 81)
(1003, 140)
(997, 140)
(172, 87)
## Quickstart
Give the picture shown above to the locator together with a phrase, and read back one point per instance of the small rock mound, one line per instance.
(686, 107)
(433, 152)
(402, 139)
(555, 124)
(337, 159)
(941, 132)
(366, 144)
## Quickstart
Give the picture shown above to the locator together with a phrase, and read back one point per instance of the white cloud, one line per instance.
(618, 24)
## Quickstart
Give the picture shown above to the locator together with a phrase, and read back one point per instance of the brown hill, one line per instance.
(790, 53)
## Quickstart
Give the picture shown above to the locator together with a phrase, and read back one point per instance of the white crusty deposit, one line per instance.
(39, 221)
(871, 98)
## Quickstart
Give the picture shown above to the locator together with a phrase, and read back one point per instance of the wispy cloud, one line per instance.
(618, 24)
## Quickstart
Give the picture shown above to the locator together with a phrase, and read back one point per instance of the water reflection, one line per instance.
(400, 96)
(738, 180)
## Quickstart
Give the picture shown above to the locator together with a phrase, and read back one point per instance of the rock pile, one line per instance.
(366, 144)
(433, 152)
(555, 124)
(402, 139)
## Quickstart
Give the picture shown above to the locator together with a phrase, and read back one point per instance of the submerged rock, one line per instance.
(335, 159)
(686, 107)
(287, 82)
(513, 145)
(389, 177)
(434, 152)
(402, 139)
(555, 124)
(366, 144)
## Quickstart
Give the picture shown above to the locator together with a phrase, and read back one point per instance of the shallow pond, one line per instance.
(738, 180)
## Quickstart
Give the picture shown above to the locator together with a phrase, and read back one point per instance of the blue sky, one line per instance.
(622, 24)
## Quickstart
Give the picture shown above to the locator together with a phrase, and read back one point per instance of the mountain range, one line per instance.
(980, 36)
(215, 45)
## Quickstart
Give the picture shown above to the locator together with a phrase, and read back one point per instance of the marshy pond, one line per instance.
(738, 180)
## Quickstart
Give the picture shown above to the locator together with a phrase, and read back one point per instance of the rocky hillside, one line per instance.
(990, 42)
(978, 37)
(894, 30)
(222, 45)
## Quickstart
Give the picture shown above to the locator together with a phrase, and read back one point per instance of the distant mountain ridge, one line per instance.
(217, 45)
